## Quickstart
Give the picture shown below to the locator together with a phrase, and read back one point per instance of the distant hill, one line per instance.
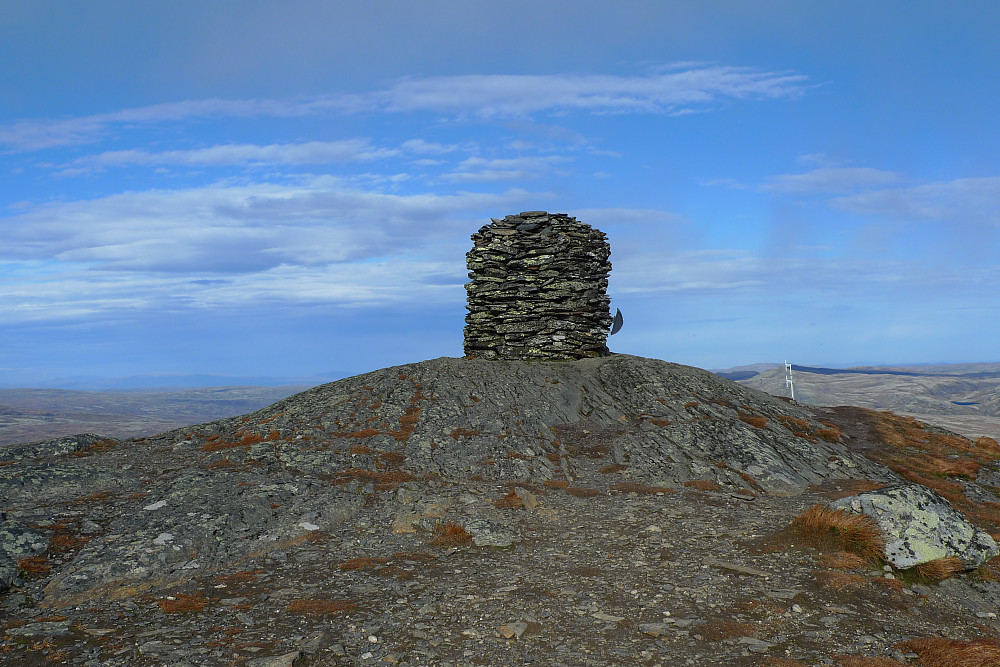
(27, 415)
(962, 397)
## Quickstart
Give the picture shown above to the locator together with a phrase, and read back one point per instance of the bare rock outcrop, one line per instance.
(921, 526)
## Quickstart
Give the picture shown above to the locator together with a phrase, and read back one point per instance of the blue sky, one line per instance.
(287, 189)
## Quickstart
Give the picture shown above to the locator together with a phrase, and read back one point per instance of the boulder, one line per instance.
(920, 526)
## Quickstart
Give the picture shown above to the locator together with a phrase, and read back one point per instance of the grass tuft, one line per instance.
(757, 421)
(823, 527)
(321, 607)
(182, 603)
(938, 569)
(941, 652)
(449, 534)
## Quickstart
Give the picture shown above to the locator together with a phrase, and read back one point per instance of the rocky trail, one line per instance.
(605, 511)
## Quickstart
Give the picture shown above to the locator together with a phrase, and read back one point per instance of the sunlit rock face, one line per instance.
(538, 289)
(921, 526)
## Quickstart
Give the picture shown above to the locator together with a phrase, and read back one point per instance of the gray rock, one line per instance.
(488, 534)
(285, 660)
(921, 526)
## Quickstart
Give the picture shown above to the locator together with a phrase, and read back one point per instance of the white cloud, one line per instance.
(310, 152)
(499, 95)
(421, 147)
(226, 228)
(832, 179)
(482, 169)
(961, 201)
(669, 91)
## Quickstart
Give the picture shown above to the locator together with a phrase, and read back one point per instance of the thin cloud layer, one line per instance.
(480, 95)
(238, 229)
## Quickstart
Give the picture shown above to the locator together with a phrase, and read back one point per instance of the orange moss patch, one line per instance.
(391, 459)
(364, 563)
(383, 480)
(691, 404)
(449, 534)
(463, 433)
(321, 607)
(556, 483)
(242, 577)
(757, 421)
(719, 629)
(182, 602)
(703, 484)
(941, 652)
(35, 566)
(831, 434)
(784, 662)
(613, 468)
(408, 422)
(826, 528)
(581, 492)
(221, 463)
(938, 569)
(418, 556)
(793, 424)
(659, 422)
(358, 450)
(99, 446)
(510, 501)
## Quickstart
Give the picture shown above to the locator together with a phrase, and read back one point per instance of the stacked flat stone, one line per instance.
(538, 289)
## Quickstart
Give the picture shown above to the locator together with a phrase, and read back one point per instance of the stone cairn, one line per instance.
(539, 289)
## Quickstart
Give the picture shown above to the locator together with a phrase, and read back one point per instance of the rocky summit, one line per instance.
(603, 511)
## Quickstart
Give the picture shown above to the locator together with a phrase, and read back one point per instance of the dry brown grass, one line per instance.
(382, 480)
(463, 433)
(659, 422)
(718, 629)
(941, 652)
(182, 603)
(865, 661)
(449, 534)
(831, 434)
(241, 577)
(363, 563)
(990, 570)
(939, 569)
(757, 421)
(703, 484)
(510, 501)
(842, 560)
(360, 450)
(825, 528)
(838, 581)
(611, 469)
(784, 662)
(321, 607)
(556, 483)
(35, 566)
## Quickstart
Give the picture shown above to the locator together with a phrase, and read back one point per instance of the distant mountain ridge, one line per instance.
(962, 397)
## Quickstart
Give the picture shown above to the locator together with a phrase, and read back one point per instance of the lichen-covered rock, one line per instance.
(921, 526)
(539, 289)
